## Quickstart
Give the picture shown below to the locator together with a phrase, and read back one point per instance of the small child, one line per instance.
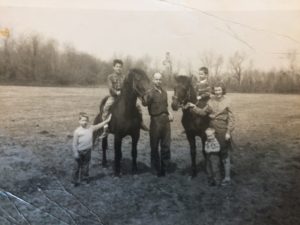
(82, 147)
(202, 88)
(212, 149)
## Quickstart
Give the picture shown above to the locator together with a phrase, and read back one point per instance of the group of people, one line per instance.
(217, 146)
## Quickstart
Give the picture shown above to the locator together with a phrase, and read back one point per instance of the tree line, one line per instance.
(36, 60)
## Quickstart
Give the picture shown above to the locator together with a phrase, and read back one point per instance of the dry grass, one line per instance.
(36, 128)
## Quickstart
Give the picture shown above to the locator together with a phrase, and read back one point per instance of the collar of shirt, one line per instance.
(157, 89)
(118, 75)
(203, 81)
(218, 99)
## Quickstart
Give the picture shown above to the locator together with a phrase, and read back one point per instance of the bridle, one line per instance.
(140, 95)
(184, 100)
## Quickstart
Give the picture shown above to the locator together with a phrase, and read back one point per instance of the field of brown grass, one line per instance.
(36, 164)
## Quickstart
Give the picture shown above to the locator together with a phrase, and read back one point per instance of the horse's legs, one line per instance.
(135, 139)
(192, 142)
(104, 148)
(118, 155)
(203, 140)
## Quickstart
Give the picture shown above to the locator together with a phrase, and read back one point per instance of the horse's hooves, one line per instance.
(194, 175)
(134, 170)
(117, 175)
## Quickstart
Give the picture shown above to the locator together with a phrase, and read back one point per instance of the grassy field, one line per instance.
(36, 164)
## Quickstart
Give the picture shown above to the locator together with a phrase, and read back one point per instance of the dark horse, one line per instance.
(193, 124)
(125, 117)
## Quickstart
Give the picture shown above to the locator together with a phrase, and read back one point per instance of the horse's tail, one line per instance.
(102, 103)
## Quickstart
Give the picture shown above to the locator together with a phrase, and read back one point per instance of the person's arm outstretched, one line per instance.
(102, 124)
(199, 111)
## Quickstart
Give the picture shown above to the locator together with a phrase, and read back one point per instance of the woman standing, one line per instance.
(222, 120)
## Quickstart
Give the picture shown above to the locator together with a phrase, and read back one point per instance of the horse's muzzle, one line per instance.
(175, 104)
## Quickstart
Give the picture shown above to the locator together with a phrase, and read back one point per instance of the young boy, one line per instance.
(115, 83)
(82, 146)
(202, 87)
(212, 149)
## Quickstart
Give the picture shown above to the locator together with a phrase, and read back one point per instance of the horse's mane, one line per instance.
(185, 80)
(128, 79)
(102, 103)
(132, 72)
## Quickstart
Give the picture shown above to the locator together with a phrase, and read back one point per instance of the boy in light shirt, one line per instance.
(82, 147)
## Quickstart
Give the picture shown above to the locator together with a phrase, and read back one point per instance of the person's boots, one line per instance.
(162, 170)
(227, 179)
(105, 132)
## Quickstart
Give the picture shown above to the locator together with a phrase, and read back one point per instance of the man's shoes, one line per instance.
(75, 184)
(86, 180)
(226, 181)
(161, 174)
(144, 127)
(212, 182)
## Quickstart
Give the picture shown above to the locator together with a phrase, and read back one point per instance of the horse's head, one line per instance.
(140, 82)
(183, 92)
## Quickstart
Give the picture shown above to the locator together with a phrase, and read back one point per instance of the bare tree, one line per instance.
(6, 58)
(213, 62)
(292, 60)
(236, 63)
(207, 59)
(35, 44)
(217, 66)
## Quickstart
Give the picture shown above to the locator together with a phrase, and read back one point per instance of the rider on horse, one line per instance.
(202, 87)
(115, 83)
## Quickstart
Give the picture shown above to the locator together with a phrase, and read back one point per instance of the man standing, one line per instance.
(160, 132)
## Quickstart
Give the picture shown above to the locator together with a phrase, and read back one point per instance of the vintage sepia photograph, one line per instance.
(149, 112)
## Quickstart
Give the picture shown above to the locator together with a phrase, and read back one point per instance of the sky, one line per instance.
(264, 30)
